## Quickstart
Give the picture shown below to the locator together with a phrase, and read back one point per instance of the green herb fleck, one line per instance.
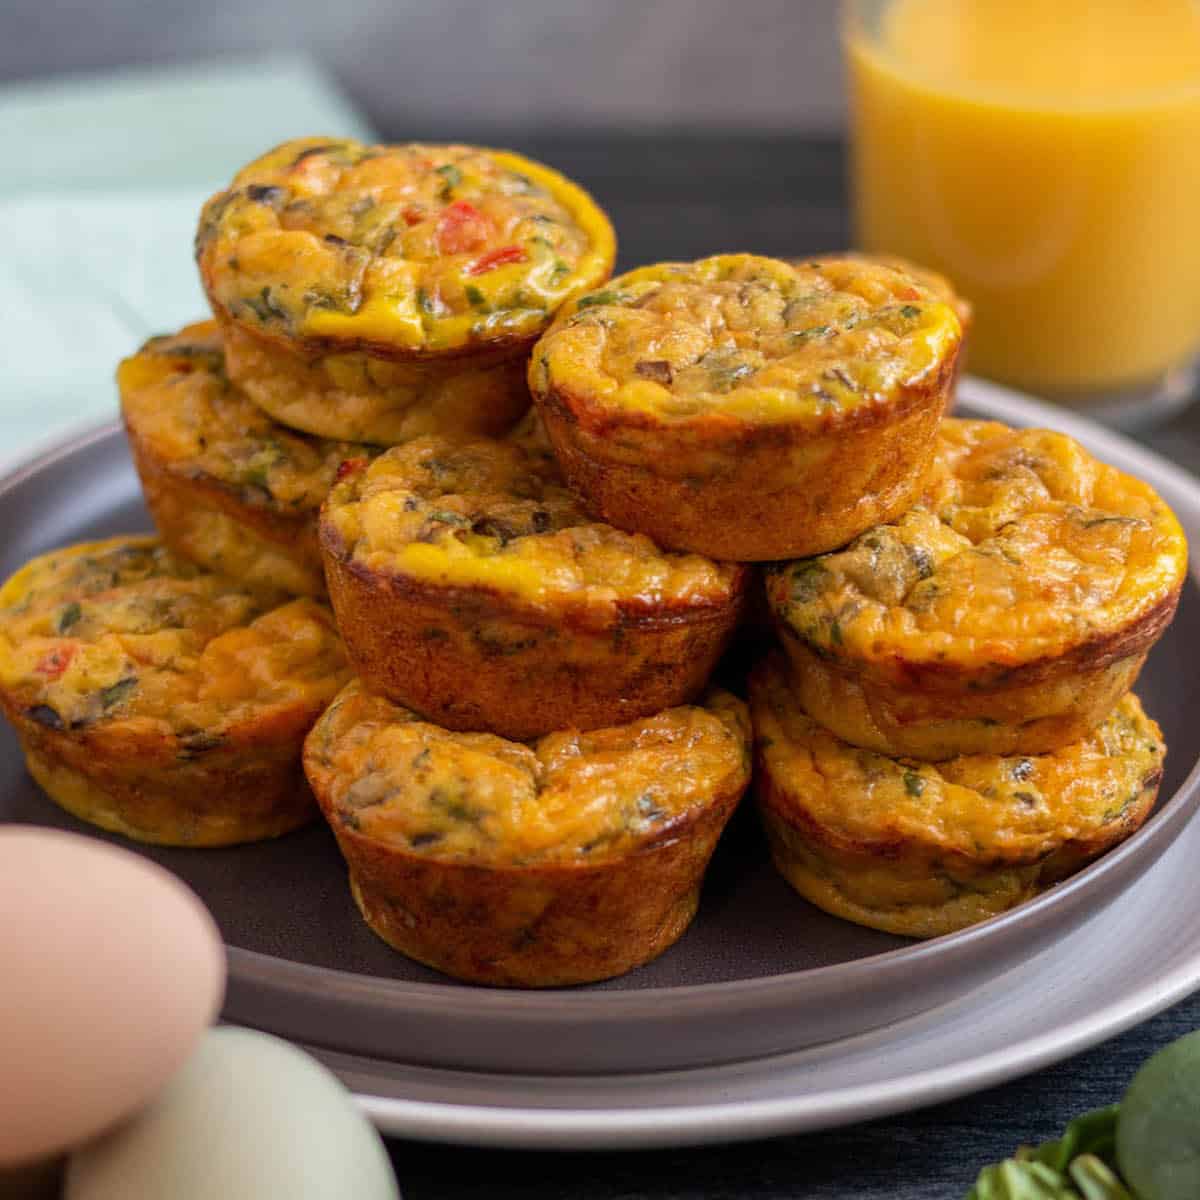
(455, 807)
(452, 176)
(69, 616)
(117, 693)
(475, 297)
(910, 312)
(809, 580)
(813, 331)
(914, 785)
(724, 371)
(605, 297)
(449, 518)
(265, 307)
(1111, 521)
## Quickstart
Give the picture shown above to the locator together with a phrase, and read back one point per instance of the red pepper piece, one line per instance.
(462, 228)
(350, 466)
(497, 258)
(54, 662)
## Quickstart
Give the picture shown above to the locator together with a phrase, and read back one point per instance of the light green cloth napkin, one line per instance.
(98, 206)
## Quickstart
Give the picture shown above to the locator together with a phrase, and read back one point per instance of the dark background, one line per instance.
(481, 65)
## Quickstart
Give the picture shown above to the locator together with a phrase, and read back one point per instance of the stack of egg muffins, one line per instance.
(478, 633)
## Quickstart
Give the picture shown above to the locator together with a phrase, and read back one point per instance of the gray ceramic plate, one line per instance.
(760, 975)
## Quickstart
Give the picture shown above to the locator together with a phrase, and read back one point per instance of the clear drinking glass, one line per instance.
(1046, 157)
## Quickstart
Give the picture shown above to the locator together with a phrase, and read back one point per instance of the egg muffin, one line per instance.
(748, 408)
(570, 859)
(922, 849)
(470, 585)
(162, 701)
(228, 487)
(360, 282)
(1006, 613)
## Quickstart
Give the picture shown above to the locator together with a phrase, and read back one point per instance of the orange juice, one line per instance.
(1045, 154)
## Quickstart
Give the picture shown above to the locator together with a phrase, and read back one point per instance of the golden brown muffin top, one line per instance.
(124, 631)
(1003, 808)
(937, 284)
(497, 515)
(752, 338)
(568, 798)
(176, 397)
(411, 248)
(1022, 547)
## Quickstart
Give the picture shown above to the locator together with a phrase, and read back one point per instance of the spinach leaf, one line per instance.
(1158, 1132)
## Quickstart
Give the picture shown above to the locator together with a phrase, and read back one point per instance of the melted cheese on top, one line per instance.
(416, 246)
(1015, 808)
(176, 396)
(938, 286)
(497, 514)
(122, 630)
(1022, 546)
(569, 797)
(749, 337)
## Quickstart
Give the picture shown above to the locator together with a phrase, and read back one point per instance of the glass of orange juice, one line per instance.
(1045, 155)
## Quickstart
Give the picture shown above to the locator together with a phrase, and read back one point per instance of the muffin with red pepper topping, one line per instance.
(470, 585)
(162, 701)
(748, 408)
(228, 487)
(360, 282)
(922, 849)
(562, 861)
(1007, 612)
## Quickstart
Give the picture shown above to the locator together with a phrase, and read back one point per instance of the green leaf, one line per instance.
(1158, 1130)
(1015, 1180)
(1078, 1166)
(914, 785)
(1096, 1180)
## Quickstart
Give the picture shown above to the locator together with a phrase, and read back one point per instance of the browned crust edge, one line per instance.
(1070, 855)
(247, 787)
(293, 533)
(476, 658)
(1135, 638)
(470, 355)
(747, 500)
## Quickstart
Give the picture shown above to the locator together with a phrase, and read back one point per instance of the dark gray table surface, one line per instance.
(683, 197)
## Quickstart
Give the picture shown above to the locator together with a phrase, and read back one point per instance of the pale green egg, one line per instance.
(249, 1117)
